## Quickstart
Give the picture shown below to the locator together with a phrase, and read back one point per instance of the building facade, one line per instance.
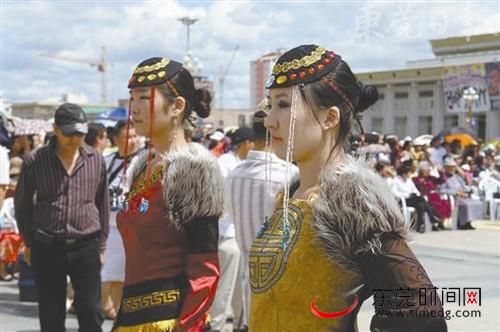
(427, 96)
(230, 117)
(46, 110)
(260, 70)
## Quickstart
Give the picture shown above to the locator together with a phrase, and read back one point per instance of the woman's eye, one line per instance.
(283, 104)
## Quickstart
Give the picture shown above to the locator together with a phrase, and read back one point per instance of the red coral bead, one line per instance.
(326, 61)
(302, 74)
(311, 71)
(321, 67)
(293, 76)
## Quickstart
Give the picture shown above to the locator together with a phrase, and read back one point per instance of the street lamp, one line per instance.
(470, 95)
(191, 63)
(187, 21)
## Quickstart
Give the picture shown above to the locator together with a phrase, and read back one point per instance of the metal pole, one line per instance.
(469, 115)
(103, 76)
(187, 21)
(187, 39)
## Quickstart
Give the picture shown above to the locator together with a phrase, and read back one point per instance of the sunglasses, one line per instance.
(77, 134)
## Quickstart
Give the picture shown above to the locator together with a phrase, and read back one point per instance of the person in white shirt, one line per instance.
(7, 213)
(436, 153)
(113, 269)
(4, 172)
(404, 188)
(242, 141)
(469, 209)
(255, 198)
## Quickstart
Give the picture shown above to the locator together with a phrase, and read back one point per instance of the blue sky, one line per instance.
(369, 35)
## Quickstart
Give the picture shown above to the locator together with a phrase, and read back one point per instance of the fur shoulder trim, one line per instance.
(193, 185)
(136, 165)
(353, 209)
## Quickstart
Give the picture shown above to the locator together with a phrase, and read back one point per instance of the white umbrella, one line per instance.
(423, 140)
(30, 126)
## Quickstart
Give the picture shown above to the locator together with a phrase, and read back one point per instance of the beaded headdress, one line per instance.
(149, 74)
(301, 65)
(297, 67)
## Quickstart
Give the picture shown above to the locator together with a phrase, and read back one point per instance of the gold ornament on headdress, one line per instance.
(295, 64)
(149, 68)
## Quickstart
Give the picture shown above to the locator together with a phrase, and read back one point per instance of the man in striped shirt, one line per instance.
(62, 209)
(251, 200)
(226, 298)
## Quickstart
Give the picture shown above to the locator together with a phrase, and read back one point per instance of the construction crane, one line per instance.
(101, 65)
(222, 77)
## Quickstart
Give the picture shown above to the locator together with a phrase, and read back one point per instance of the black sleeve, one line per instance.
(404, 297)
(203, 234)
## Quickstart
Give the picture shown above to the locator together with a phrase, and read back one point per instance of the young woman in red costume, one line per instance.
(171, 201)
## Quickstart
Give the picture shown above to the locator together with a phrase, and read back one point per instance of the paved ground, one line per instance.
(452, 259)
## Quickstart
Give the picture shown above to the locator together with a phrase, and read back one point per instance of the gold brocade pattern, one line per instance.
(268, 267)
(161, 326)
(147, 69)
(295, 64)
(155, 299)
(284, 283)
(145, 183)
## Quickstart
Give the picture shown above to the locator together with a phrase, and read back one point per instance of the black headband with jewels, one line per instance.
(301, 65)
(153, 71)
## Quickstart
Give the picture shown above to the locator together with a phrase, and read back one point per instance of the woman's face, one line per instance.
(16, 145)
(133, 140)
(426, 171)
(141, 117)
(308, 134)
(37, 141)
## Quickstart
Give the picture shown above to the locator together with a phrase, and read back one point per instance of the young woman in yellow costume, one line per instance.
(336, 236)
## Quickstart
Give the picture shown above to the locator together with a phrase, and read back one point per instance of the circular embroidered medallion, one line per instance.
(267, 260)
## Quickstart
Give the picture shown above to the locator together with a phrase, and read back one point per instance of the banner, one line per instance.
(458, 78)
(493, 80)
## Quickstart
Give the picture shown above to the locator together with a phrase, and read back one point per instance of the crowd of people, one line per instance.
(435, 176)
(162, 226)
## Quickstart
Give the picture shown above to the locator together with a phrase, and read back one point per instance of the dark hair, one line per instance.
(96, 130)
(406, 144)
(380, 165)
(119, 126)
(197, 100)
(258, 125)
(48, 137)
(341, 88)
(435, 139)
(371, 138)
(404, 169)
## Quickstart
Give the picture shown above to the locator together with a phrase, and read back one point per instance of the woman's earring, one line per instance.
(175, 130)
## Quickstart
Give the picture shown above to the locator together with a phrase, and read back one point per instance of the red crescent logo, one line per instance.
(334, 314)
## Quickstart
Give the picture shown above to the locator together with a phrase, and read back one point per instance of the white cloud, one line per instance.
(134, 31)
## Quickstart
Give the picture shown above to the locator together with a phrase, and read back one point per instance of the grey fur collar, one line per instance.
(193, 185)
(353, 209)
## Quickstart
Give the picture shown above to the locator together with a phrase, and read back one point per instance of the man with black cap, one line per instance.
(62, 208)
